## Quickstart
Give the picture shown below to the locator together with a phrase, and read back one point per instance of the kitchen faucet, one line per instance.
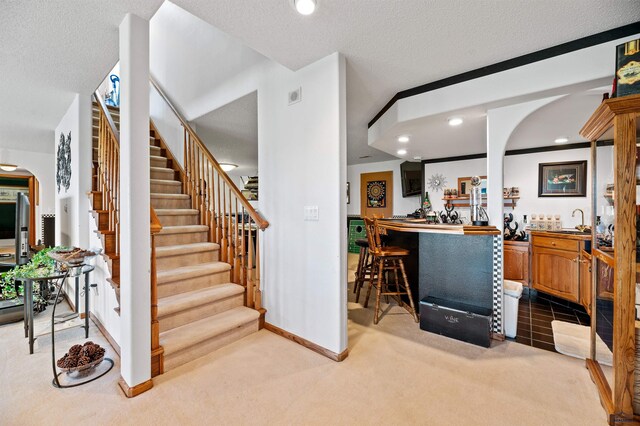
(582, 227)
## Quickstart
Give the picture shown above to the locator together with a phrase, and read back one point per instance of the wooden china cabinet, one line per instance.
(616, 119)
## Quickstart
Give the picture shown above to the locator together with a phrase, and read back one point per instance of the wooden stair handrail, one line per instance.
(257, 218)
(155, 225)
(107, 114)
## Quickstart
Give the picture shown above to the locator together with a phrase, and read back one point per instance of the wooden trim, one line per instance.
(529, 58)
(420, 225)
(32, 184)
(624, 275)
(136, 390)
(604, 116)
(604, 391)
(105, 333)
(307, 344)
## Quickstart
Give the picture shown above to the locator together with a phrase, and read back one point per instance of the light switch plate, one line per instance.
(311, 213)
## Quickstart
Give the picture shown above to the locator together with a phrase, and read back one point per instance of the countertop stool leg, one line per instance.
(376, 315)
(408, 288)
(372, 275)
(359, 270)
(366, 268)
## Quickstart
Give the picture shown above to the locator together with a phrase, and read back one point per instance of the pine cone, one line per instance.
(83, 360)
(89, 343)
(71, 361)
(99, 353)
(88, 351)
(62, 361)
(75, 350)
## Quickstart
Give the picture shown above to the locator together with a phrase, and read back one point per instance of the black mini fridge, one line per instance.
(457, 320)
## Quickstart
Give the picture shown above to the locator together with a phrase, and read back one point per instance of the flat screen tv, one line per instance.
(411, 177)
(22, 228)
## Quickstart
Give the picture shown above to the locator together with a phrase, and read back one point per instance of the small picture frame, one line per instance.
(564, 179)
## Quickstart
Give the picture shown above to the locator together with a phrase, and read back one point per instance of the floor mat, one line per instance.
(573, 340)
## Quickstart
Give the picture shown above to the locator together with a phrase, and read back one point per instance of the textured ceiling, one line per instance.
(231, 134)
(49, 50)
(392, 45)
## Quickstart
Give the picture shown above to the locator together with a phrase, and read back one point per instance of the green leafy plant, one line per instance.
(41, 265)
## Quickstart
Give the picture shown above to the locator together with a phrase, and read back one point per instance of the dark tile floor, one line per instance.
(535, 313)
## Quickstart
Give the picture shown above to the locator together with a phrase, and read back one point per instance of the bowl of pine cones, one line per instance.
(81, 357)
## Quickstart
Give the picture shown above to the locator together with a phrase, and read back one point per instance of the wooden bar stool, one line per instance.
(364, 266)
(386, 260)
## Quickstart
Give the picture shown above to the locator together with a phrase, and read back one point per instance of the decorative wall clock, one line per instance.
(436, 182)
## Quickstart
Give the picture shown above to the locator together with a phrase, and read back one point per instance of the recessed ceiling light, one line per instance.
(417, 158)
(455, 121)
(227, 167)
(402, 151)
(8, 167)
(562, 140)
(305, 7)
(403, 138)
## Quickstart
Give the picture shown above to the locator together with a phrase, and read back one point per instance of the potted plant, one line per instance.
(12, 292)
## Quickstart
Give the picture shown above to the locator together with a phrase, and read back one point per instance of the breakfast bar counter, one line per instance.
(460, 263)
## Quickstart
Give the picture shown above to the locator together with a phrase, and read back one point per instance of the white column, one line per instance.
(85, 154)
(501, 122)
(135, 250)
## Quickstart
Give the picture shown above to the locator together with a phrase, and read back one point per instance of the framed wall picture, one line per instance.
(566, 179)
(464, 186)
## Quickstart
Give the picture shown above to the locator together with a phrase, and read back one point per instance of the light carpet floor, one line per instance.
(395, 374)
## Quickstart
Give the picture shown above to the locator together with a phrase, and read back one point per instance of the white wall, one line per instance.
(66, 204)
(452, 171)
(302, 162)
(522, 171)
(401, 205)
(167, 124)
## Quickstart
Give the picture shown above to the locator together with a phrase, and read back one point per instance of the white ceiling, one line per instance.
(432, 137)
(561, 118)
(392, 45)
(194, 62)
(51, 49)
(231, 134)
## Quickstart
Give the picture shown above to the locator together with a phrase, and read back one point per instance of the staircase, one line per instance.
(199, 308)
(205, 257)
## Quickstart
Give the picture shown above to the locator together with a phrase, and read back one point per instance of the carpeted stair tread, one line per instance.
(170, 196)
(192, 271)
(179, 249)
(183, 229)
(176, 212)
(183, 337)
(166, 182)
(162, 169)
(183, 301)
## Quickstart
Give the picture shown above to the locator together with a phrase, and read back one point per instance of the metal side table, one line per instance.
(79, 376)
(58, 280)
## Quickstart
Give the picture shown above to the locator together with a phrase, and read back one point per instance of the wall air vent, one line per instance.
(295, 96)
